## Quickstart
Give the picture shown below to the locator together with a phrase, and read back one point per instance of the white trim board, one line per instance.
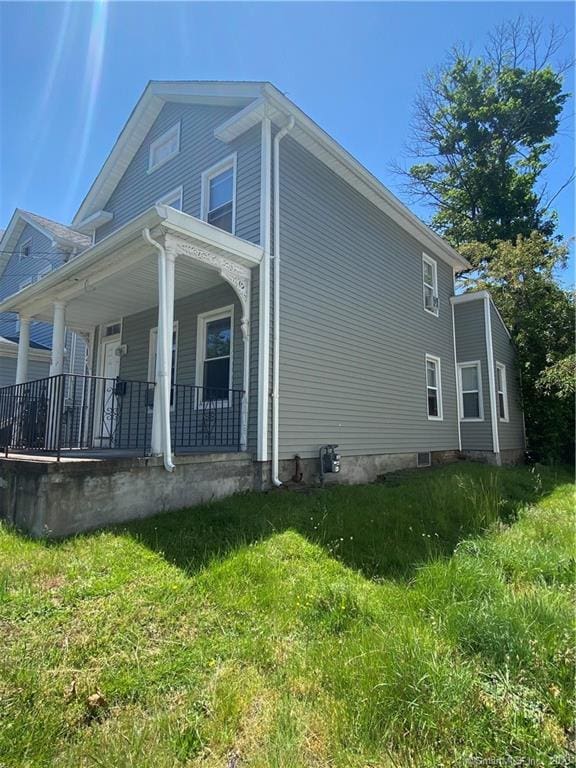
(254, 101)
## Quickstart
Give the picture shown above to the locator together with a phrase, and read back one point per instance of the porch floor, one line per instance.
(107, 454)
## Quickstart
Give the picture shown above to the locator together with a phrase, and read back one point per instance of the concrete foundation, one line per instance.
(50, 499)
(507, 457)
(45, 498)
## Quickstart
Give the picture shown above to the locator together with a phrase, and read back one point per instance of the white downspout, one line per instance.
(163, 363)
(276, 341)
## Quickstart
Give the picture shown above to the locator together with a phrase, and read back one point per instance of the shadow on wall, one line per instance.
(384, 530)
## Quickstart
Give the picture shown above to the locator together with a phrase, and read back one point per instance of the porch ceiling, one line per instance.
(119, 275)
(131, 289)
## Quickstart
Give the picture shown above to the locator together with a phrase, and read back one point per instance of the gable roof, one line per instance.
(254, 101)
(59, 234)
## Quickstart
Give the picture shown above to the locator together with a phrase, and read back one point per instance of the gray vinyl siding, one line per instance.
(353, 330)
(470, 346)
(510, 433)
(36, 370)
(17, 270)
(138, 190)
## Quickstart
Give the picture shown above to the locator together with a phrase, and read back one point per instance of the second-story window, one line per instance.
(173, 199)
(430, 284)
(164, 148)
(218, 195)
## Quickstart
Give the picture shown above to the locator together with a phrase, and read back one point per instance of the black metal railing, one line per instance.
(71, 412)
(205, 417)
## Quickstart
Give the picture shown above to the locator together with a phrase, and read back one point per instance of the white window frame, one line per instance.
(25, 244)
(203, 320)
(469, 364)
(432, 262)
(438, 363)
(152, 348)
(207, 176)
(44, 271)
(164, 138)
(504, 391)
(175, 194)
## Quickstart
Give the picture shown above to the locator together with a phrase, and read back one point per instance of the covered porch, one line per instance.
(164, 378)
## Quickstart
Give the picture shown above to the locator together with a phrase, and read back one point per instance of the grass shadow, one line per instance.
(385, 530)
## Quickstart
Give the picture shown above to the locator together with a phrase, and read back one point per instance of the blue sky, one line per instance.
(72, 72)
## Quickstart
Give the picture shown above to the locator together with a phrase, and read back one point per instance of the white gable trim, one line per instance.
(155, 95)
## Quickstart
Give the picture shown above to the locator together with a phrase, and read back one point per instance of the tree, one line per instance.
(482, 137)
(540, 316)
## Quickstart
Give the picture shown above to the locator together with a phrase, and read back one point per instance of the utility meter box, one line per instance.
(329, 460)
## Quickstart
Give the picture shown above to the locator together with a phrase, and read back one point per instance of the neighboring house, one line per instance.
(253, 292)
(30, 248)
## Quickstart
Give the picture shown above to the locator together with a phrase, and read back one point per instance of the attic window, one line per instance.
(25, 249)
(164, 148)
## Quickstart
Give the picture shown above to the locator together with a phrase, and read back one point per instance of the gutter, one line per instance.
(276, 341)
(163, 366)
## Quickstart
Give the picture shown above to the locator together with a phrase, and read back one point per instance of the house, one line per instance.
(30, 248)
(251, 293)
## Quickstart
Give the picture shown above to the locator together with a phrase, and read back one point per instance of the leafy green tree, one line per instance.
(482, 134)
(540, 315)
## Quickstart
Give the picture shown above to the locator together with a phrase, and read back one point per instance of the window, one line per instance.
(164, 148)
(173, 199)
(502, 392)
(25, 249)
(434, 388)
(214, 354)
(430, 284)
(113, 329)
(44, 271)
(152, 350)
(470, 384)
(218, 195)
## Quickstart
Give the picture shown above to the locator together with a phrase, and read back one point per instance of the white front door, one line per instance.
(106, 410)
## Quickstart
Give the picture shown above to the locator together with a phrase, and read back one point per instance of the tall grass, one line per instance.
(369, 626)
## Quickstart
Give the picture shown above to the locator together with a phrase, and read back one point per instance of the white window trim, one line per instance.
(25, 283)
(203, 320)
(160, 140)
(502, 368)
(152, 345)
(469, 364)
(434, 359)
(207, 175)
(432, 262)
(44, 271)
(26, 243)
(175, 193)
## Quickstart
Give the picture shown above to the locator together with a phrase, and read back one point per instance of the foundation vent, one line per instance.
(423, 459)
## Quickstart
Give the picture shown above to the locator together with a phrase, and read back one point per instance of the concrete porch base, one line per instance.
(51, 499)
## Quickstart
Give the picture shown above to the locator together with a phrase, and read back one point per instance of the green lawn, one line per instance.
(425, 621)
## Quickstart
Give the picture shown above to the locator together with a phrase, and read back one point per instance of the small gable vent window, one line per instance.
(164, 148)
(423, 459)
(430, 284)
(219, 195)
(25, 249)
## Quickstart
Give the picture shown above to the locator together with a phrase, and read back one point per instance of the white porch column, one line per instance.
(58, 333)
(23, 350)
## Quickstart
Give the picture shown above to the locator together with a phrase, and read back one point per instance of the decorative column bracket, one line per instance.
(239, 277)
